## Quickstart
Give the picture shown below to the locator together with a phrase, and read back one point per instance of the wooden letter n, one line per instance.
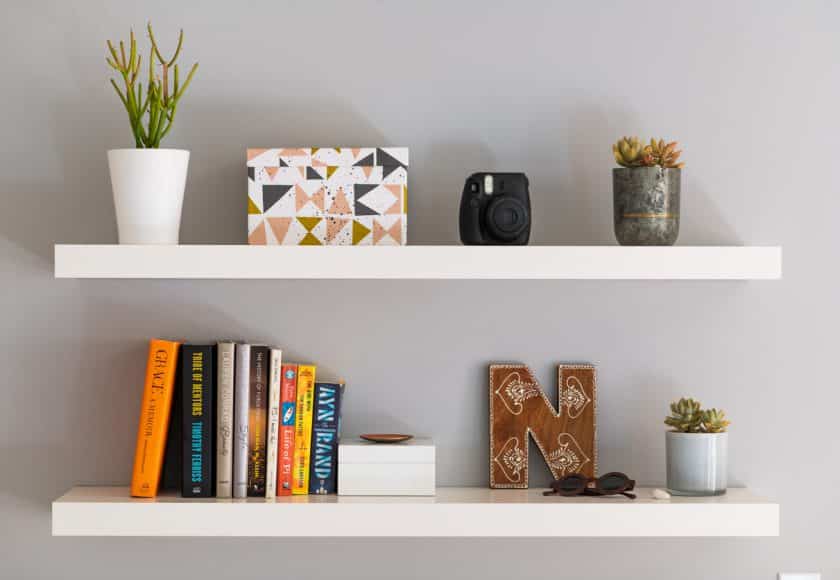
(519, 407)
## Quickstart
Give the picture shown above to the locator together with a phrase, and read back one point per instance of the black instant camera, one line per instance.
(495, 210)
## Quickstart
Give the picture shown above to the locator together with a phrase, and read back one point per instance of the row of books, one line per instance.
(234, 420)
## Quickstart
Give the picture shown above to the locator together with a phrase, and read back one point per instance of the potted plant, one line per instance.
(147, 181)
(646, 192)
(696, 449)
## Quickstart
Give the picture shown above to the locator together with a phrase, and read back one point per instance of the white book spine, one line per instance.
(240, 420)
(224, 420)
(273, 423)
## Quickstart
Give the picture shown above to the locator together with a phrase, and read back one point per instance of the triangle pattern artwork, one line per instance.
(360, 232)
(327, 195)
(309, 223)
(387, 231)
(337, 230)
(279, 227)
(340, 205)
(362, 209)
(272, 194)
(310, 240)
(257, 236)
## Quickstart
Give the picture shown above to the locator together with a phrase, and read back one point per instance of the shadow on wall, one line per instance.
(434, 190)
(72, 201)
(97, 398)
(571, 196)
(215, 204)
(77, 207)
(573, 202)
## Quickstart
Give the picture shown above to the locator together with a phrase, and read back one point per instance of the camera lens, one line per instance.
(507, 218)
(473, 187)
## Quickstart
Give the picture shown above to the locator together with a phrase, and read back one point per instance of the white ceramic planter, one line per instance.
(696, 463)
(148, 187)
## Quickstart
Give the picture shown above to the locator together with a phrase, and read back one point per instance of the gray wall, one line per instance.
(751, 90)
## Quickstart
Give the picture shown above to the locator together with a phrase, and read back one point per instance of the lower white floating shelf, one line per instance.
(454, 512)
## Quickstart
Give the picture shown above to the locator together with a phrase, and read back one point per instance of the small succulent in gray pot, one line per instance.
(646, 192)
(696, 449)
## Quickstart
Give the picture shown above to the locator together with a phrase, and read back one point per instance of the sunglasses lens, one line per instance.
(610, 482)
(572, 483)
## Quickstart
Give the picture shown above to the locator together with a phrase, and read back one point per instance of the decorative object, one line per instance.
(646, 192)
(696, 449)
(495, 210)
(660, 494)
(519, 407)
(386, 437)
(148, 182)
(328, 196)
(366, 468)
(148, 186)
(612, 483)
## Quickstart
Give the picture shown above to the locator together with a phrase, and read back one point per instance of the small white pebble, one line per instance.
(660, 494)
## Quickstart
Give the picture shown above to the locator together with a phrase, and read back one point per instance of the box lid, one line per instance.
(416, 450)
(329, 157)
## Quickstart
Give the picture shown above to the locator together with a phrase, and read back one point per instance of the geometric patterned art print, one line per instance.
(321, 196)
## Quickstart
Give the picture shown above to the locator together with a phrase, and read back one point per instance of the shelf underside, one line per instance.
(453, 512)
(420, 262)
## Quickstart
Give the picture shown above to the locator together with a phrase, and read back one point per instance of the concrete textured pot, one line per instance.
(696, 463)
(148, 189)
(646, 205)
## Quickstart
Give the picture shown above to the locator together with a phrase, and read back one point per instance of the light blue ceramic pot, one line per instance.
(696, 463)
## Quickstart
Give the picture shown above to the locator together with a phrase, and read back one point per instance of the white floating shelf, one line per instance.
(420, 262)
(454, 512)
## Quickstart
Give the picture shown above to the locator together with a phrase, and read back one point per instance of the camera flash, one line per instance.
(488, 184)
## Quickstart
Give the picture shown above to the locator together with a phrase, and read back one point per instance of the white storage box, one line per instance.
(406, 468)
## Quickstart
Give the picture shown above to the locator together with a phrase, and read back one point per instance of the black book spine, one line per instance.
(198, 378)
(172, 458)
(258, 420)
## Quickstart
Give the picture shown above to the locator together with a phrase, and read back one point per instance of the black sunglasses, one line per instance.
(613, 483)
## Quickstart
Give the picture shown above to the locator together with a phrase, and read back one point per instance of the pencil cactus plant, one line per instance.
(687, 416)
(151, 112)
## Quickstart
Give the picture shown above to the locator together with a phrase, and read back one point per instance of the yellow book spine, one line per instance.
(303, 428)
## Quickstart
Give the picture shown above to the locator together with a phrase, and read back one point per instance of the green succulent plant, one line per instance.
(714, 421)
(629, 152)
(159, 102)
(688, 416)
(662, 154)
(685, 416)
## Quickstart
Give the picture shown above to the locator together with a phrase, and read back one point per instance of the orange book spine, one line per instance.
(154, 417)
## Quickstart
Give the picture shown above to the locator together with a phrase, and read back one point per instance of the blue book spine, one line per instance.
(323, 465)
